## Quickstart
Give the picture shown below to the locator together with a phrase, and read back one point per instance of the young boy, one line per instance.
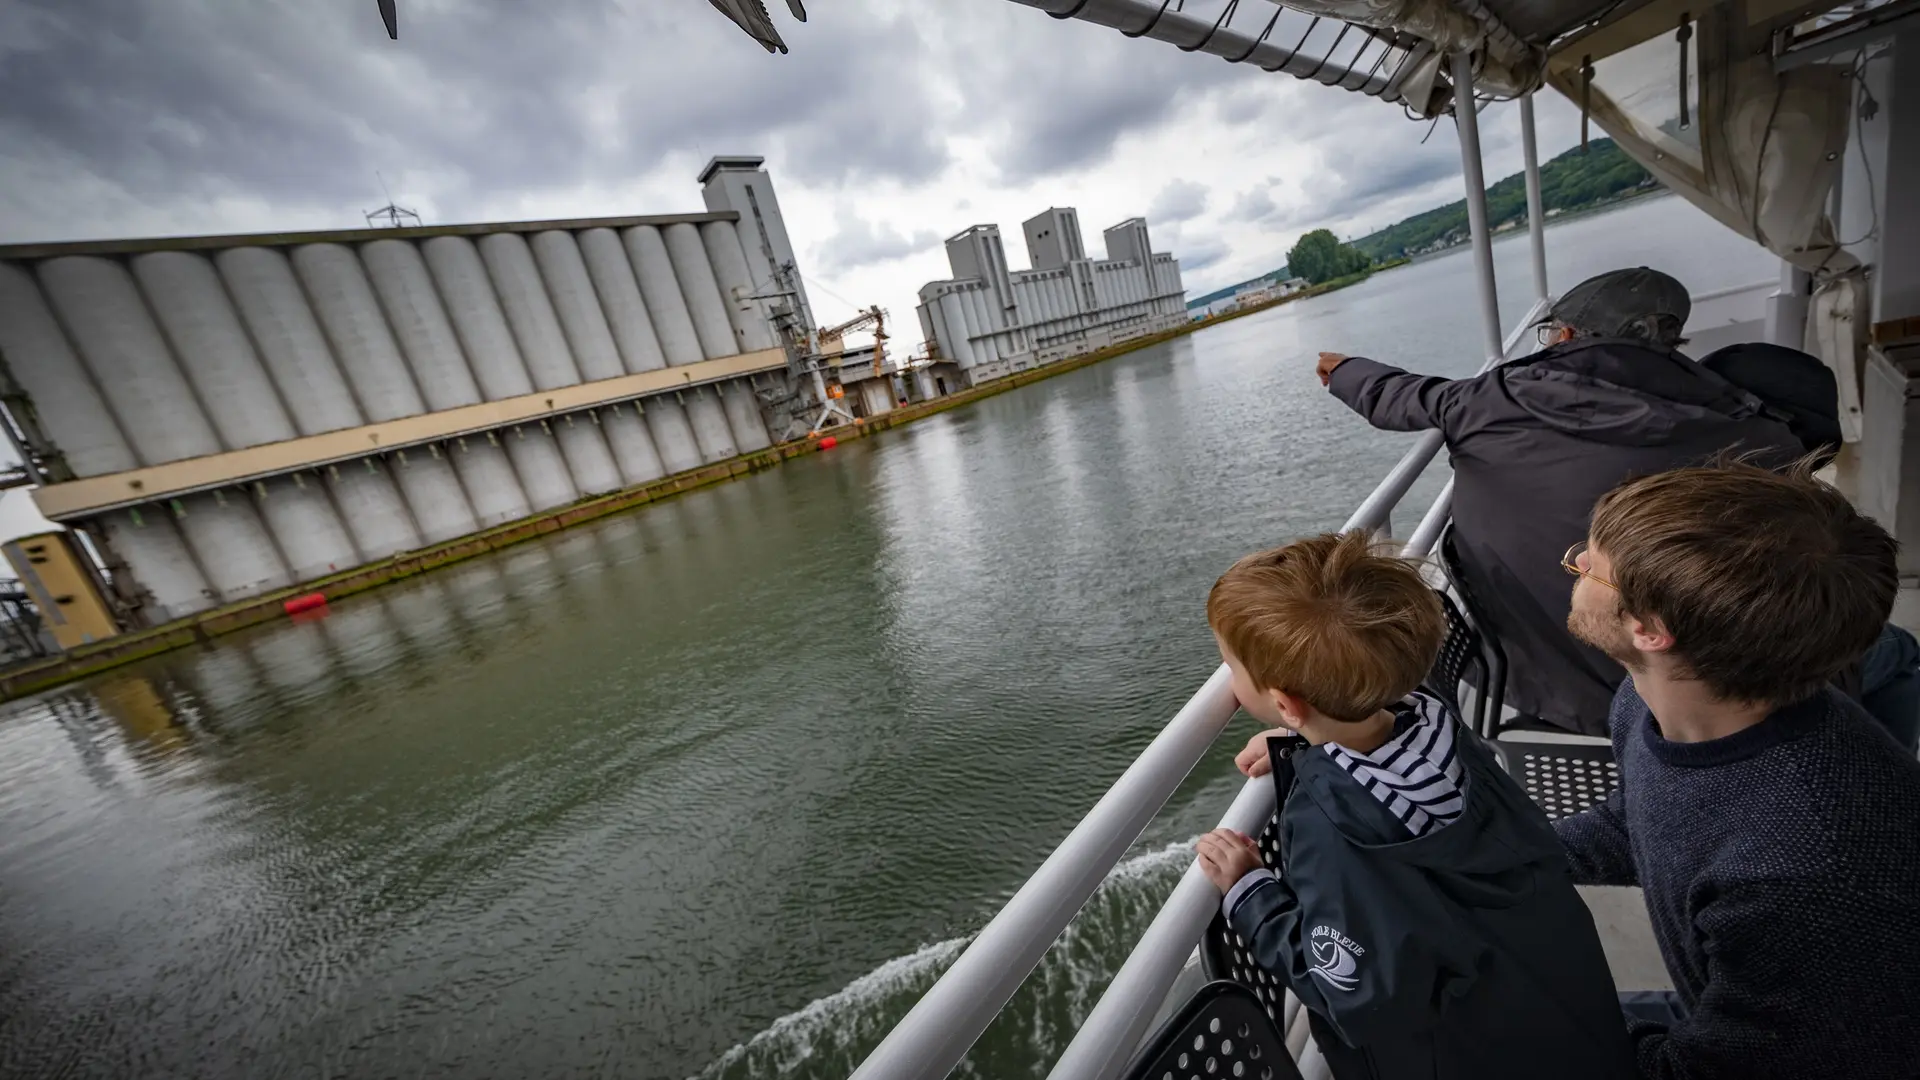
(1424, 912)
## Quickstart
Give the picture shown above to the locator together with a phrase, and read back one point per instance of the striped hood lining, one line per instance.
(1417, 774)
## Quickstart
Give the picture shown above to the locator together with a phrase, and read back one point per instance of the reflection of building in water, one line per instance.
(988, 321)
(227, 416)
(139, 710)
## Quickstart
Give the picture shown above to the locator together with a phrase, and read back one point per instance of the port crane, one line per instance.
(830, 348)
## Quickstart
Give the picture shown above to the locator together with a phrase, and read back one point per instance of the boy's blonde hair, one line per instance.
(1331, 619)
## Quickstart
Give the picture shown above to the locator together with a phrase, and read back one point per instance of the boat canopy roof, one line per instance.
(1741, 106)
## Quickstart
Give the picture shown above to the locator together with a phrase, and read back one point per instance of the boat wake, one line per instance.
(828, 1037)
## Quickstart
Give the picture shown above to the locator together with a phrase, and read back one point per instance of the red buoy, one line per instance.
(309, 602)
(829, 443)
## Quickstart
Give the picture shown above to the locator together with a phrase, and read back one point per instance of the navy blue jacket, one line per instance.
(1463, 953)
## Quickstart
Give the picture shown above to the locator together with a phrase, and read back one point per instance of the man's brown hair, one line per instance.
(1331, 619)
(1771, 583)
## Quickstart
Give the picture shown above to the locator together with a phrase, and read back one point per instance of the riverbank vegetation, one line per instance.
(1577, 180)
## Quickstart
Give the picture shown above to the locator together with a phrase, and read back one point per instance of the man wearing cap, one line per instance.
(1536, 441)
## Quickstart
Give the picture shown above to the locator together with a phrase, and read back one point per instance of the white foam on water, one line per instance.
(791, 1040)
(794, 1032)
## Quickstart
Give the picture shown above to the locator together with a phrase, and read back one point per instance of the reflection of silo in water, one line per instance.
(578, 554)
(296, 660)
(423, 613)
(362, 636)
(228, 684)
(621, 535)
(528, 573)
(478, 593)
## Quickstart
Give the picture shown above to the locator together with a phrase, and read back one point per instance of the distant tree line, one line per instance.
(1320, 257)
(1572, 181)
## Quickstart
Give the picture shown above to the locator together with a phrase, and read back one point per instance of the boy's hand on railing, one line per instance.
(1226, 856)
(1329, 361)
(1255, 760)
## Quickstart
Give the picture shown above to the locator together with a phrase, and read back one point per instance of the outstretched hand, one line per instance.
(1329, 361)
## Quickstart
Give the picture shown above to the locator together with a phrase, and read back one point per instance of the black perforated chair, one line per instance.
(1562, 778)
(1221, 1033)
(1478, 651)
(1224, 955)
(1467, 656)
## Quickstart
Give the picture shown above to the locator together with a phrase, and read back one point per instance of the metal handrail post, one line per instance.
(932, 1038)
(1536, 216)
(1469, 124)
(1373, 511)
(1427, 533)
(1118, 1023)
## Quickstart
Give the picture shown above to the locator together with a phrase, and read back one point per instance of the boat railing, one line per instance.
(936, 1034)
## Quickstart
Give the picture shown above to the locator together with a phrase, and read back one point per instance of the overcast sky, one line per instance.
(890, 126)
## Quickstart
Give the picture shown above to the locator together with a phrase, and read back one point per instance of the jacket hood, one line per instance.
(1622, 391)
(1499, 831)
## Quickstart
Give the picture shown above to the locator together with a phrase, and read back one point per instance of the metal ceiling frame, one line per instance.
(1160, 20)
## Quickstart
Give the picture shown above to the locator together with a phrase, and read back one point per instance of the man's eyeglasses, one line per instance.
(1547, 333)
(1569, 562)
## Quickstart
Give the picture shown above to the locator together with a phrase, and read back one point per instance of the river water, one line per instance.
(717, 787)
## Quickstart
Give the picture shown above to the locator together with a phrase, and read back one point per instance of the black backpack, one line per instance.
(1795, 387)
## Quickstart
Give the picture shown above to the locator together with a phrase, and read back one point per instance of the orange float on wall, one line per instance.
(309, 602)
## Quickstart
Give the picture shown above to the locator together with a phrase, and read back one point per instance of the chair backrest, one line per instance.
(1225, 956)
(1463, 652)
(1221, 1032)
(1492, 667)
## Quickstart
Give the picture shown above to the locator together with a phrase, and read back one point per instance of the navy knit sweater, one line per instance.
(1782, 873)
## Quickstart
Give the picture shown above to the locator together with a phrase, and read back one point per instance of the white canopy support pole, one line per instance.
(1787, 307)
(1469, 125)
(1536, 214)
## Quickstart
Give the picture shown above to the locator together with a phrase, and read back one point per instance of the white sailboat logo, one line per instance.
(1334, 964)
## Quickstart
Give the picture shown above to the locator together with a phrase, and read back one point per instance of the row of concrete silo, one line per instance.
(972, 328)
(166, 355)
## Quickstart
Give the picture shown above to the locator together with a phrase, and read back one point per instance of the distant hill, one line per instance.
(1572, 181)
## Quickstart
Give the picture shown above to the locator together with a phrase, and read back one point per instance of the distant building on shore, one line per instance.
(1252, 294)
(987, 321)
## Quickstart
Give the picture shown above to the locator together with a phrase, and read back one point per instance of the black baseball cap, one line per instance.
(1637, 302)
